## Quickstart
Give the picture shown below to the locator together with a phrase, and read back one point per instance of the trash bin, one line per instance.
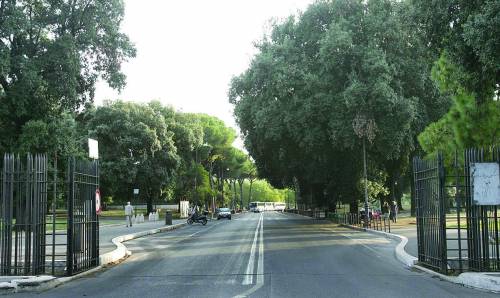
(168, 218)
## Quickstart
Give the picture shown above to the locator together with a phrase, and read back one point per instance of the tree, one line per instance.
(251, 173)
(467, 124)
(56, 137)
(218, 139)
(469, 33)
(51, 55)
(136, 149)
(264, 192)
(317, 73)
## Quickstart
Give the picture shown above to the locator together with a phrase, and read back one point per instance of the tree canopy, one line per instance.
(51, 55)
(340, 72)
(469, 33)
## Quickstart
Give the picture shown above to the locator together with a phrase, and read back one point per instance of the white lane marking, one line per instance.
(260, 265)
(250, 266)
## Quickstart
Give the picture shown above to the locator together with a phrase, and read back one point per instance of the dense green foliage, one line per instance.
(262, 191)
(340, 73)
(51, 55)
(467, 124)
(469, 32)
(396, 77)
(167, 155)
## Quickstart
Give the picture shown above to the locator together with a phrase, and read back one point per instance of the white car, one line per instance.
(223, 213)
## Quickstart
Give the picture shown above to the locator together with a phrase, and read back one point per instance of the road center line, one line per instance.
(260, 265)
(248, 280)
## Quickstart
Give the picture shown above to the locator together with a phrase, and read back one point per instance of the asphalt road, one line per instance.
(261, 255)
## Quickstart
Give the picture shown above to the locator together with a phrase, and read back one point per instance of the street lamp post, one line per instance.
(196, 176)
(222, 185)
(367, 217)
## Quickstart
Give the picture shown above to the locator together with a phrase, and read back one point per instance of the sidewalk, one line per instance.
(405, 230)
(111, 250)
(108, 232)
(407, 226)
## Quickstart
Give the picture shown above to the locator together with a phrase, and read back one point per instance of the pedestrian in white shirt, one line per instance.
(129, 211)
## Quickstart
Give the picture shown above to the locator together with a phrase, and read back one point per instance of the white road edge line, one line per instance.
(248, 280)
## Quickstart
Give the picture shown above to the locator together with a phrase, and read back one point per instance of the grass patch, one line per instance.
(120, 214)
(63, 226)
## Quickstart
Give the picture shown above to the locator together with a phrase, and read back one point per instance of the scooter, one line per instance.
(198, 219)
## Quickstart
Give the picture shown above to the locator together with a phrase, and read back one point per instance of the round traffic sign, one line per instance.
(97, 201)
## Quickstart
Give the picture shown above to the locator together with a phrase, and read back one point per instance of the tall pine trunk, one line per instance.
(250, 199)
(235, 197)
(240, 182)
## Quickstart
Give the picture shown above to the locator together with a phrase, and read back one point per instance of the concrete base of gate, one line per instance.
(489, 281)
(14, 284)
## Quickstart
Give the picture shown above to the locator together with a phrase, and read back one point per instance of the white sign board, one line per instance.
(93, 149)
(136, 191)
(485, 178)
(184, 209)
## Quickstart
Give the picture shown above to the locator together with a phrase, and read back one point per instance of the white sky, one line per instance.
(188, 51)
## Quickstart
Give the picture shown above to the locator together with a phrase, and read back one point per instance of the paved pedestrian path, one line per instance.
(108, 232)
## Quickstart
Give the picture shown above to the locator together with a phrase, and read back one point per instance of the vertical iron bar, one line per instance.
(96, 228)
(497, 241)
(54, 199)
(458, 203)
(69, 251)
(442, 215)
(43, 174)
(9, 201)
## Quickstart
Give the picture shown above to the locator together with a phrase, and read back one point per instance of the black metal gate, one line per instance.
(83, 223)
(23, 189)
(48, 224)
(454, 234)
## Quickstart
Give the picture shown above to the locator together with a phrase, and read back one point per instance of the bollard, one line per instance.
(168, 218)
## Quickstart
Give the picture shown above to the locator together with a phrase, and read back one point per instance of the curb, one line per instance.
(399, 251)
(45, 282)
(488, 281)
(121, 250)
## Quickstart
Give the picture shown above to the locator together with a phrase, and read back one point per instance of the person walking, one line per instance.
(386, 210)
(394, 211)
(129, 211)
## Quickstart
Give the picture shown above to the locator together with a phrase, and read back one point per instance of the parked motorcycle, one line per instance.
(198, 219)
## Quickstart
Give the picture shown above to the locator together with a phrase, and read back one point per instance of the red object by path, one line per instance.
(97, 201)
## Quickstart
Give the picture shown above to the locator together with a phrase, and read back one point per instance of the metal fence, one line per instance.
(48, 224)
(454, 234)
(23, 187)
(309, 213)
(377, 223)
(83, 223)
(316, 214)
